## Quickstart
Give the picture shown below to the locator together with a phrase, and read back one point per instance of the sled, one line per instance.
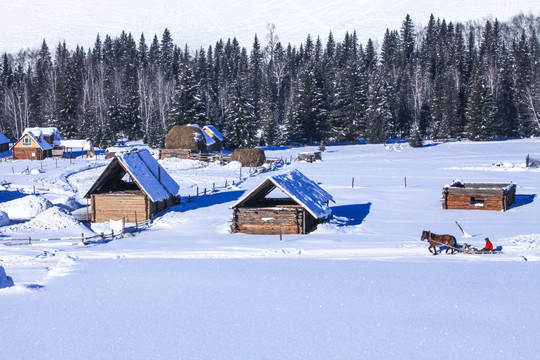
(466, 249)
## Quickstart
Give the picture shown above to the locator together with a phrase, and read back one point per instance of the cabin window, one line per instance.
(477, 201)
(26, 141)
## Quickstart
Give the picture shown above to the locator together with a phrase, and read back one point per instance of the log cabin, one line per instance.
(479, 196)
(133, 187)
(36, 143)
(289, 203)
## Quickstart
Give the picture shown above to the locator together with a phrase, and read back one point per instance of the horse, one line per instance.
(439, 240)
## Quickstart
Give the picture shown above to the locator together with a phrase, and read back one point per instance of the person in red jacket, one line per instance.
(488, 247)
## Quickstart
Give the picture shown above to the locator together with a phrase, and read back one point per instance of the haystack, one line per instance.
(185, 137)
(249, 157)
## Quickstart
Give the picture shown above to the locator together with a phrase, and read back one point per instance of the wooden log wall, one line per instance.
(269, 220)
(479, 197)
(20, 153)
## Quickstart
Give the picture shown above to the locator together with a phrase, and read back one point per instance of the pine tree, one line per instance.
(240, 119)
(480, 111)
(187, 106)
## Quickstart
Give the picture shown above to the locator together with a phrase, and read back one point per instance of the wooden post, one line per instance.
(204, 191)
(240, 178)
(34, 189)
(214, 187)
(197, 191)
(82, 240)
(527, 161)
(405, 181)
(123, 224)
(29, 240)
(352, 182)
(280, 234)
(13, 169)
(189, 198)
(87, 209)
(136, 225)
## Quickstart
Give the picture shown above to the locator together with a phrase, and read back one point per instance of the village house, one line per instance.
(133, 187)
(36, 143)
(289, 203)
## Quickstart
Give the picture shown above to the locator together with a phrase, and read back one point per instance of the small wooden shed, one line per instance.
(309, 156)
(479, 196)
(289, 203)
(134, 187)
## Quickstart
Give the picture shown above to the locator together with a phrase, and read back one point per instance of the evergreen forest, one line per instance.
(479, 80)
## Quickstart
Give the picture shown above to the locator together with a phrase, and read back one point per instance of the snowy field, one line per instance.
(362, 285)
(202, 23)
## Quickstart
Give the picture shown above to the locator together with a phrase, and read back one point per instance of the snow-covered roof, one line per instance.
(207, 138)
(301, 189)
(38, 133)
(215, 132)
(3, 139)
(146, 172)
(77, 144)
(38, 140)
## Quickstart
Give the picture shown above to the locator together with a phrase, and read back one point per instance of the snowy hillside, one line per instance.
(362, 285)
(25, 23)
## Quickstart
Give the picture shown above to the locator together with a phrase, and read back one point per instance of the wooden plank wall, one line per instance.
(106, 207)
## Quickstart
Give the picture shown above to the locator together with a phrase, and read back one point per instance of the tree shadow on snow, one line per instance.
(523, 200)
(350, 215)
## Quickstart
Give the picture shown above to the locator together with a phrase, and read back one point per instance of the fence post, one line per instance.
(136, 224)
(280, 234)
(352, 182)
(405, 181)
(204, 191)
(29, 240)
(34, 189)
(197, 191)
(527, 161)
(82, 238)
(214, 187)
(189, 198)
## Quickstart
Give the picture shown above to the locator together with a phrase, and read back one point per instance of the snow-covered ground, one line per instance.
(362, 285)
(25, 23)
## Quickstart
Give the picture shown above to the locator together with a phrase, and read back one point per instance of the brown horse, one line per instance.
(439, 240)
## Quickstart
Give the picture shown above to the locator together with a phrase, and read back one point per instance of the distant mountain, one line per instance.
(25, 23)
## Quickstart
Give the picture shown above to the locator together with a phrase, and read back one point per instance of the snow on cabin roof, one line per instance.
(45, 131)
(214, 132)
(3, 139)
(38, 140)
(207, 138)
(145, 171)
(301, 189)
